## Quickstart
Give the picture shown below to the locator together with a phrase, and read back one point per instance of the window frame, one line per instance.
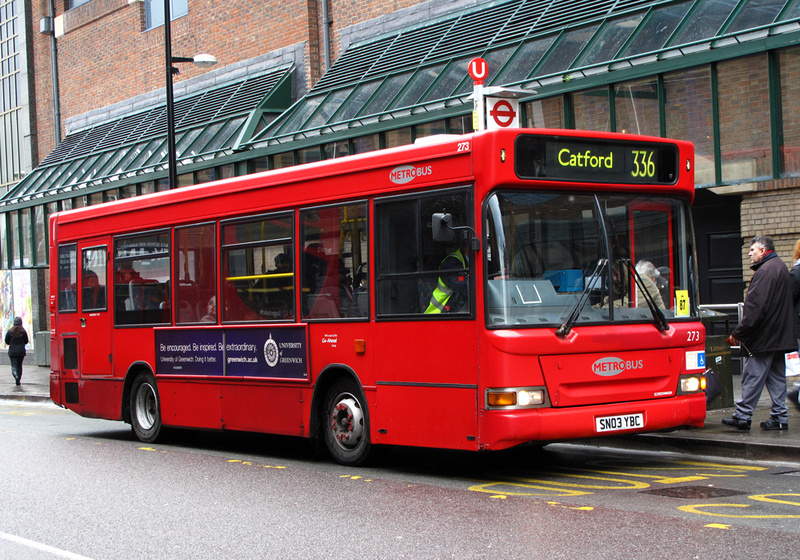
(429, 278)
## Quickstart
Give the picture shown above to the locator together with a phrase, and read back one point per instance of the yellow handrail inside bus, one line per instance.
(260, 276)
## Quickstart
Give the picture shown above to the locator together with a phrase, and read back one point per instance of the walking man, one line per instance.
(767, 331)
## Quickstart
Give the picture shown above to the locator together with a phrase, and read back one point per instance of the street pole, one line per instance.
(172, 160)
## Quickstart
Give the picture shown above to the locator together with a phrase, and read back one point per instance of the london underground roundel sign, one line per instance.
(478, 70)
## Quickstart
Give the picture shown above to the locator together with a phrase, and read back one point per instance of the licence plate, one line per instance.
(621, 422)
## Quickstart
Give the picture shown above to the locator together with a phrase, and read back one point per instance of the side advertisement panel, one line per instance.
(280, 353)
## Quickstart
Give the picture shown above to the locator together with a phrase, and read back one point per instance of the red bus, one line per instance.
(468, 292)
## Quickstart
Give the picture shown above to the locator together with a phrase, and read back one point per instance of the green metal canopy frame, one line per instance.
(542, 45)
(208, 124)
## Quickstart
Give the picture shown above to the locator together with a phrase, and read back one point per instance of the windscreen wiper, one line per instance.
(658, 316)
(567, 325)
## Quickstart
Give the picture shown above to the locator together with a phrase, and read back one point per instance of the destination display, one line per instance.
(277, 353)
(600, 161)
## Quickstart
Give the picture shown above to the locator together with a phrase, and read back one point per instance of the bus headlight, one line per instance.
(516, 397)
(692, 384)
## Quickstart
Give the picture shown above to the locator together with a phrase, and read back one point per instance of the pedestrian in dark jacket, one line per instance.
(766, 330)
(794, 392)
(16, 339)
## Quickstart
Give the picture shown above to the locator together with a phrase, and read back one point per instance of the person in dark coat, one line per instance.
(16, 339)
(766, 330)
(792, 394)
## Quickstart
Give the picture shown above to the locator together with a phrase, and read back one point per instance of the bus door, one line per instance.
(94, 317)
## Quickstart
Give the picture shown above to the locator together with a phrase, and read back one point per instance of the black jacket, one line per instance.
(767, 323)
(16, 339)
(795, 272)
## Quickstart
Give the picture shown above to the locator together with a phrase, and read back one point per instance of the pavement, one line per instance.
(713, 439)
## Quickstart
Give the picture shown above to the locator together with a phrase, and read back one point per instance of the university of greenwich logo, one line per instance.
(271, 353)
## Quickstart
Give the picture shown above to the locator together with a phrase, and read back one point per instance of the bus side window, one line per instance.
(67, 278)
(142, 279)
(335, 245)
(93, 279)
(258, 280)
(196, 274)
(417, 275)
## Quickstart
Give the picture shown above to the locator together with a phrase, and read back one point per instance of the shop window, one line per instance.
(26, 232)
(40, 233)
(744, 118)
(636, 105)
(335, 150)
(368, 143)
(545, 113)
(789, 61)
(398, 137)
(689, 115)
(285, 159)
(592, 109)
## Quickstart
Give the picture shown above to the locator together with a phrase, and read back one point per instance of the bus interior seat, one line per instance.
(322, 306)
(363, 302)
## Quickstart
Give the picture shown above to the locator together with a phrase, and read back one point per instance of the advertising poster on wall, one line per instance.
(15, 301)
(6, 302)
(275, 353)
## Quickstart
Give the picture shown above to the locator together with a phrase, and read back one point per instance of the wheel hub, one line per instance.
(346, 422)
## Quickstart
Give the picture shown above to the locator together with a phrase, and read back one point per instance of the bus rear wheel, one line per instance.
(345, 425)
(145, 408)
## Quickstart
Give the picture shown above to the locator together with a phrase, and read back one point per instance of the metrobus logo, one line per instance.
(608, 367)
(406, 173)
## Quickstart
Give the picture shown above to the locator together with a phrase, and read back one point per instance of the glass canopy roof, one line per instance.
(534, 44)
(208, 124)
(527, 43)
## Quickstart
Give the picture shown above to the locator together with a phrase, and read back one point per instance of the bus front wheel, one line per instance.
(145, 408)
(345, 425)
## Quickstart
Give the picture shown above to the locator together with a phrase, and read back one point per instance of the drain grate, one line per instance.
(694, 492)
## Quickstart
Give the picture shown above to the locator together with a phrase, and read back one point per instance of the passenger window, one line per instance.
(415, 274)
(196, 274)
(142, 279)
(258, 269)
(93, 279)
(67, 278)
(334, 269)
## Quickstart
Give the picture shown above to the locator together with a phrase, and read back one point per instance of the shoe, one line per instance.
(738, 423)
(773, 424)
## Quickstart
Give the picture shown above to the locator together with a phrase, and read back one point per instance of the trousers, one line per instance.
(16, 367)
(768, 368)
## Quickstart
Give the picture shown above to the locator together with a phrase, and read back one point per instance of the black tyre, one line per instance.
(145, 408)
(345, 424)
